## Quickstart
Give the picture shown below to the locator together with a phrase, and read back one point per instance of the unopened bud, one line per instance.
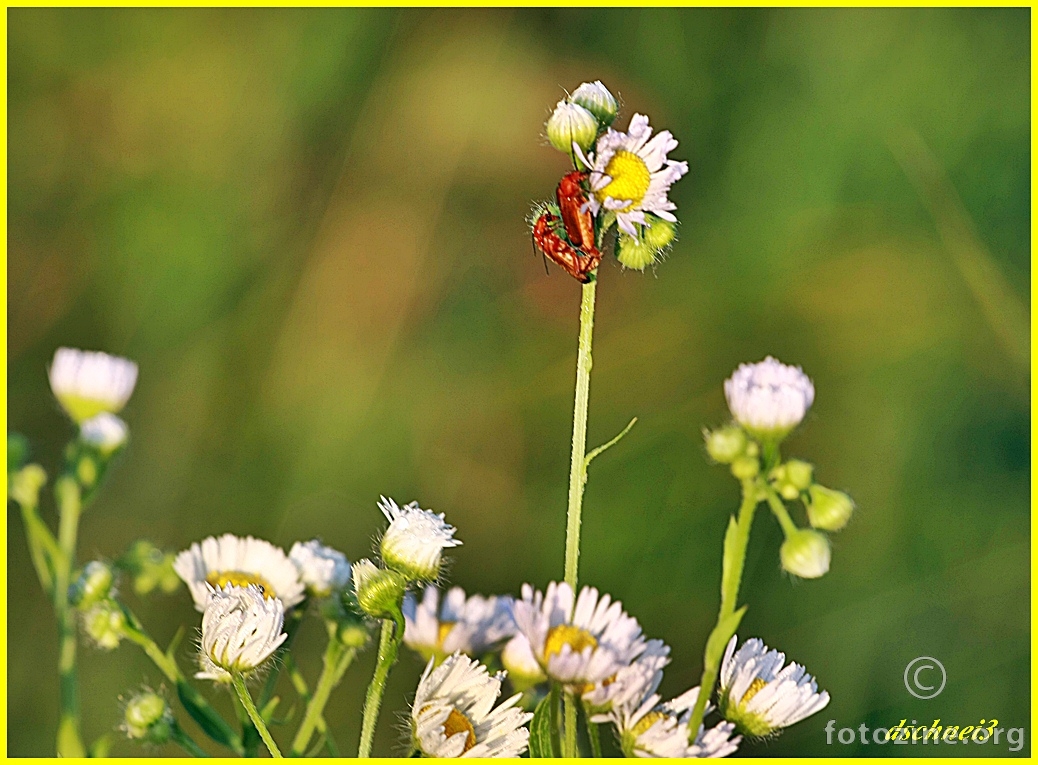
(828, 509)
(379, 591)
(148, 716)
(725, 444)
(806, 554)
(571, 124)
(745, 467)
(596, 98)
(799, 474)
(658, 233)
(634, 253)
(26, 484)
(105, 624)
(93, 585)
(104, 432)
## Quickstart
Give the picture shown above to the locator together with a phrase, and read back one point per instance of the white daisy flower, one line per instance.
(655, 729)
(761, 696)
(631, 175)
(241, 628)
(105, 432)
(87, 383)
(769, 398)
(518, 659)
(470, 625)
(415, 540)
(322, 569)
(452, 714)
(630, 685)
(240, 561)
(578, 644)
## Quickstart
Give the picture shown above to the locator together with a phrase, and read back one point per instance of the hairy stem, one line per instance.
(569, 726)
(337, 659)
(254, 715)
(577, 455)
(732, 566)
(387, 650)
(70, 741)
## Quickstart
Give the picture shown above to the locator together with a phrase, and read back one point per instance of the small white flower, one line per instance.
(654, 729)
(240, 561)
(518, 659)
(769, 398)
(761, 696)
(323, 570)
(578, 644)
(631, 175)
(470, 625)
(630, 685)
(415, 540)
(241, 628)
(105, 432)
(452, 715)
(87, 383)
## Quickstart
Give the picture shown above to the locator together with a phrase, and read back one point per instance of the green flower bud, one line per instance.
(805, 553)
(745, 467)
(828, 509)
(634, 254)
(725, 444)
(25, 485)
(148, 716)
(596, 98)
(93, 585)
(86, 471)
(379, 591)
(17, 451)
(570, 124)
(105, 624)
(353, 635)
(800, 474)
(659, 233)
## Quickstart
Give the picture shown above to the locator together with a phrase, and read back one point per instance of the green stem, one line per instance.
(569, 726)
(164, 662)
(778, 509)
(254, 715)
(336, 659)
(577, 454)
(592, 735)
(70, 741)
(186, 743)
(387, 650)
(736, 541)
(43, 548)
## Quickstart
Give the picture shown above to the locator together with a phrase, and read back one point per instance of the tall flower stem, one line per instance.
(387, 650)
(577, 477)
(569, 744)
(735, 541)
(250, 708)
(337, 659)
(69, 740)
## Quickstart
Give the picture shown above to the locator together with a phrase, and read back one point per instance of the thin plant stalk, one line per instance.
(69, 739)
(387, 650)
(254, 715)
(569, 726)
(577, 474)
(337, 658)
(736, 541)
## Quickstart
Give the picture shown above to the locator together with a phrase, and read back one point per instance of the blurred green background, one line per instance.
(307, 226)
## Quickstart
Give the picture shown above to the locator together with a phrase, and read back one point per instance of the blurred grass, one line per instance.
(308, 228)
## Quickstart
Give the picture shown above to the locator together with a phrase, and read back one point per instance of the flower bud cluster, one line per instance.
(149, 568)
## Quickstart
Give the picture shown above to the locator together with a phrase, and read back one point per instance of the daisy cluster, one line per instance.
(627, 173)
(767, 401)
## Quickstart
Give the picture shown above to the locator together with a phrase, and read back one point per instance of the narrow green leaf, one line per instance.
(721, 634)
(207, 718)
(543, 742)
(730, 543)
(612, 442)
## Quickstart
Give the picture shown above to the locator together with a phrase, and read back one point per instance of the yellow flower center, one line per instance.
(443, 631)
(566, 634)
(647, 722)
(219, 579)
(458, 723)
(630, 181)
(755, 687)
